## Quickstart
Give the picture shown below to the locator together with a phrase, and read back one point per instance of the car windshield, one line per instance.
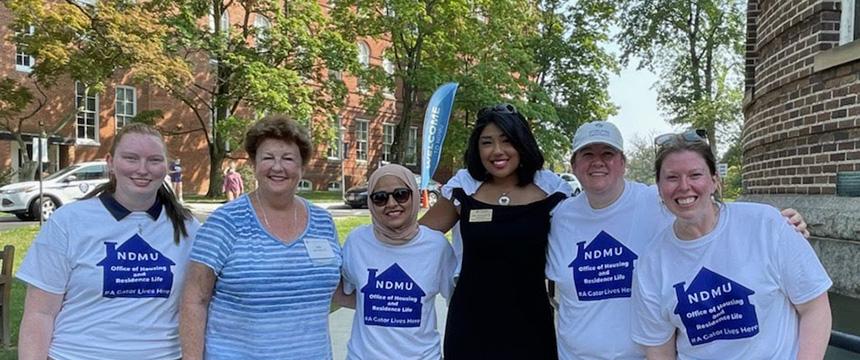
(62, 172)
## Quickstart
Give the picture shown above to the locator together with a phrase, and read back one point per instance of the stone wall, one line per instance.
(834, 222)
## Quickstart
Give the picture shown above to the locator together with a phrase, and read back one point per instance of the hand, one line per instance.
(796, 220)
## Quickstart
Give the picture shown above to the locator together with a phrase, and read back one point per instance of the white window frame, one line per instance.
(305, 185)
(388, 67)
(24, 62)
(387, 141)
(123, 118)
(847, 23)
(361, 139)
(81, 118)
(333, 186)
(364, 60)
(261, 26)
(225, 21)
(412, 146)
(334, 151)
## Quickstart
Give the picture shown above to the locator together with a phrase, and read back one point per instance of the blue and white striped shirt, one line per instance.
(270, 299)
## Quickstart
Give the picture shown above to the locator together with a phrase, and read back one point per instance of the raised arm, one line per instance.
(199, 282)
(37, 325)
(796, 220)
(815, 323)
(441, 217)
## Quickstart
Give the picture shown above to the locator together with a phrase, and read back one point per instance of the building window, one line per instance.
(364, 60)
(335, 146)
(412, 146)
(387, 140)
(23, 61)
(261, 31)
(305, 185)
(224, 23)
(334, 186)
(849, 24)
(388, 67)
(87, 117)
(126, 105)
(361, 140)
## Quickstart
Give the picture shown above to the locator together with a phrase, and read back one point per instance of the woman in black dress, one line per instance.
(500, 308)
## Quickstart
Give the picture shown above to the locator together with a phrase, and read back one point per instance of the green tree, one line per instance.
(275, 56)
(543, 57)
(640, 160)
(86, 43)
(572, 68)
(696, 47)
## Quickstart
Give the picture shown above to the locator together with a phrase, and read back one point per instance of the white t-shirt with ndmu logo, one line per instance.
(120, 280)
(395, 315)
(592, 256)
(731, 293)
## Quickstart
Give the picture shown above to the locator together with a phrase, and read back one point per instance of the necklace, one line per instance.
(504, 199)
(266, 218)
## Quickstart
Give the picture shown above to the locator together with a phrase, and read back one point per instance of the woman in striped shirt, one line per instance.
(264, 267)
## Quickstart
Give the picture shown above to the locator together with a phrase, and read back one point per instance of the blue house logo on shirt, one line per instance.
(135, 270)
(392, 299)
(603, 269)
(715, 307)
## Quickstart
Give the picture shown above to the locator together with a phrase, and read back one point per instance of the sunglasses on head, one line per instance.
(400, 195)
(500, 108)
(689, 136)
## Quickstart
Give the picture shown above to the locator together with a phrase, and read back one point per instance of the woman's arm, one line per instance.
(341, 299)
(815, 323)
(661, 352)
(37, 325)
(199, 282)
(441, 217)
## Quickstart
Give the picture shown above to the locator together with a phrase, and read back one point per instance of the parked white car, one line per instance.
(572, 181)
(60, 188)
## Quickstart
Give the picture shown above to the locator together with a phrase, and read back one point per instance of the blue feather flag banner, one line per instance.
(435, 126)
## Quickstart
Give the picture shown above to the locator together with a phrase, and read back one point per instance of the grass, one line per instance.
(325, 196)
(22, 237)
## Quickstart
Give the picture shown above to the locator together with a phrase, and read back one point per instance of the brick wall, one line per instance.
(802, 125)
(179, 120)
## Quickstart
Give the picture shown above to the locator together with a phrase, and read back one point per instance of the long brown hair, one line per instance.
(175, 211)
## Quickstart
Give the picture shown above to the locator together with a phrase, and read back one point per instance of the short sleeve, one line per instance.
(801, 273)
(649, 326)
(551, 183)
(47, 265)
(213, 242)
(463, 180)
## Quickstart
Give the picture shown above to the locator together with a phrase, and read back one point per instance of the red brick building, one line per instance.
(362, 145)
(802, 132)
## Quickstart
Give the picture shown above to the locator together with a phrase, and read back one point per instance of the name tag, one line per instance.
(319, 250)
(481, 215)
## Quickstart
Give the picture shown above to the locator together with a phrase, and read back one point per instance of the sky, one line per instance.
(632, 91)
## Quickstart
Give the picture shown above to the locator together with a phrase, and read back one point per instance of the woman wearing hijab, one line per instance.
(398, 268)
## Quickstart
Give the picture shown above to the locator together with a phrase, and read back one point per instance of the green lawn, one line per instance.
(22, 237)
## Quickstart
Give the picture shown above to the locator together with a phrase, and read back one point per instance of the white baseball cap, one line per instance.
(598, 132)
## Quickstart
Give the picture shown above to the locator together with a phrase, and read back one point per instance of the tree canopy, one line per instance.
(696, 47)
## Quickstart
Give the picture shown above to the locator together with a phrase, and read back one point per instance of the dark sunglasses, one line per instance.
(400, 195)
(500, 108)
(689, 136)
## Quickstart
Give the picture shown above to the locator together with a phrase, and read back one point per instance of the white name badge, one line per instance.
(319, 250)
(481, 215)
